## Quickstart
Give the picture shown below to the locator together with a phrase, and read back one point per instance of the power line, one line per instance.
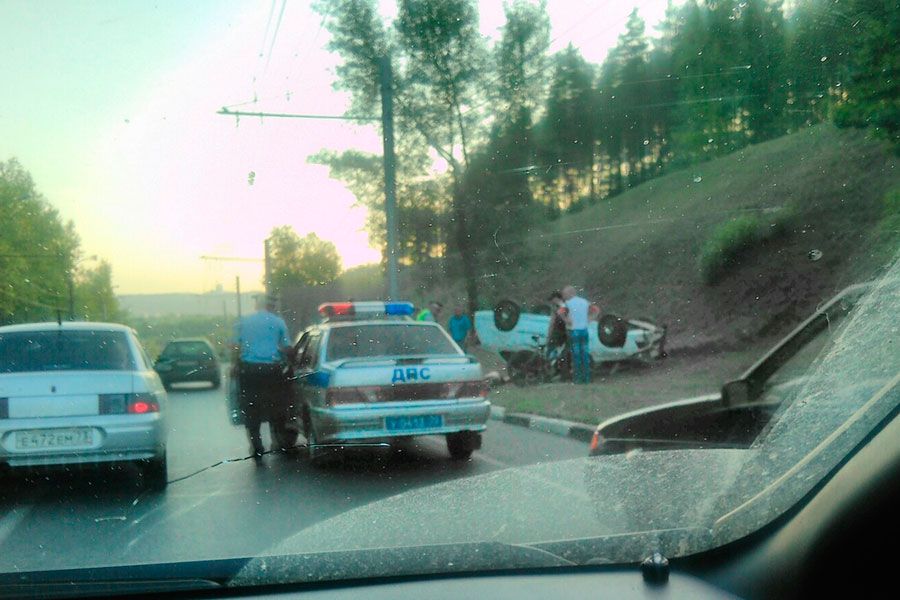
(275, 35)
(581, 20)
(237, 113)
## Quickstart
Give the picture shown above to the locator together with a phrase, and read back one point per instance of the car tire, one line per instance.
(506, 315)
(612, 331)
(156, 473)
(315, 455)
(460, 445)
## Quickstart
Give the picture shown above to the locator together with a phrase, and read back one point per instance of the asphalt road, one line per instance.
(96, 517)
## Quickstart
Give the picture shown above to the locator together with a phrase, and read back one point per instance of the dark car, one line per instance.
(188, 360)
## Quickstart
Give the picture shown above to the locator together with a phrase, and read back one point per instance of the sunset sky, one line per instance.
(111, 105)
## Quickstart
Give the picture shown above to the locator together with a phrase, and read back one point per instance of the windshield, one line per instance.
(24, 352)
(370, 341)
(482, 284)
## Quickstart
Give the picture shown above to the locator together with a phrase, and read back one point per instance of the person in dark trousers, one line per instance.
(557, 339)
(459, 326)
(260, 341)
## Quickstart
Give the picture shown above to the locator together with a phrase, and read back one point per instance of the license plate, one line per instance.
(413, 422)
(42, 439)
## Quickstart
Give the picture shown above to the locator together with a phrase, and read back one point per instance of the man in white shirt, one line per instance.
(577, 321)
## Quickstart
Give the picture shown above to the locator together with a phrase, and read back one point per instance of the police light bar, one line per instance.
(349, 309)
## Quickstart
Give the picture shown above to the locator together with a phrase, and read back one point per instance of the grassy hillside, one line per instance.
(639, 254)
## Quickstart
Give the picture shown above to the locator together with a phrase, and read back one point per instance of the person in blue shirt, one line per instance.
(459, 327)
(260, 341)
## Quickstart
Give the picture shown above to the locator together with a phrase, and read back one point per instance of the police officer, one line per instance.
(260, 341)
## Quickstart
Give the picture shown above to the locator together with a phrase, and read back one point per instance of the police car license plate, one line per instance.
(412, 423)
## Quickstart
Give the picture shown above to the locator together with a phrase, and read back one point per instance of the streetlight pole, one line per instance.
(390, 172)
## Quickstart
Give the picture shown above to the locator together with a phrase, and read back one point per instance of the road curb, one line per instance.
(570, 429)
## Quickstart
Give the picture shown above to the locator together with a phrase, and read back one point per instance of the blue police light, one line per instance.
(398, 308)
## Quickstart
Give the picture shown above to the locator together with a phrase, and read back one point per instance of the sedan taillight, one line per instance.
(133, 404)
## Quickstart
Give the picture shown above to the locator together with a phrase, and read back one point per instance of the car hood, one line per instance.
(621, 508)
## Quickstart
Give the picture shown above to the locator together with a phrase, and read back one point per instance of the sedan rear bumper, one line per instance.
(366, 422)
(115, 438)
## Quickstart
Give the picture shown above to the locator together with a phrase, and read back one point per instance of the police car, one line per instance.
(369, 373)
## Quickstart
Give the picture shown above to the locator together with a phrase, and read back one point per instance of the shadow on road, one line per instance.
(82, 483)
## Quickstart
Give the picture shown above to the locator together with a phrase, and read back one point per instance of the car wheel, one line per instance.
(612, 331)
(462, 444)
(314, 454)
(506, 315)
(156, 473)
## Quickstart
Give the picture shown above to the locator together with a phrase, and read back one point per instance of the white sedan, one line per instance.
(80, 393)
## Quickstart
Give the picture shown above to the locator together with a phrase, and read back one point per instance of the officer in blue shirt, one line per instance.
(260, 342)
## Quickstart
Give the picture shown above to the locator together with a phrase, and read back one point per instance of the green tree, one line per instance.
(763, 52)
(873, 89)
(567, 133)
(438, 58)
(37, 250)
(95, 299)
(421, 199)
(299, 260)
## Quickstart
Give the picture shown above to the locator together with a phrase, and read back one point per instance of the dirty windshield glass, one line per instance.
(396, 261)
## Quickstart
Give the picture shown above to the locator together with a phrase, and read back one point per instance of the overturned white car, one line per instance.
(521, 338)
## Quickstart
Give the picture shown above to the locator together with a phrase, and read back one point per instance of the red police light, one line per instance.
(336, 309)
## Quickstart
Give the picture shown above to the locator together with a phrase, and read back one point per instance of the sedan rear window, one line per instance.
(367, 341)
(31, 351)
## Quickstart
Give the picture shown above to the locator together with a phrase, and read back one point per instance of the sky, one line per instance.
(111, 106)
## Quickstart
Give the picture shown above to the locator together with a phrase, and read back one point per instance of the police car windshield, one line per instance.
(367, 341)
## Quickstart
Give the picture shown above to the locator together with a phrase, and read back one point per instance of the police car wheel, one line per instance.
(462, 444)
(315, 455)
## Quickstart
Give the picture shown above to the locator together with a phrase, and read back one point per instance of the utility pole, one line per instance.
(390, 159)
(390, 172)
(268, 266)
(237, 285)
(70, 281)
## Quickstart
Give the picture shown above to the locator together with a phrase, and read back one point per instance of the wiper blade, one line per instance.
(112, 588)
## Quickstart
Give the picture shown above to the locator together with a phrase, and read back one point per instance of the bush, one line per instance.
(734, 238)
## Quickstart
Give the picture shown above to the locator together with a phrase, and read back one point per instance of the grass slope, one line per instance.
(637, 254)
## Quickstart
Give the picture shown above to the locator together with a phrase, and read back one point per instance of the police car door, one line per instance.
(309, 392)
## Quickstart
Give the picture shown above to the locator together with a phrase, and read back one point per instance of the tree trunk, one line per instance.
(464, 244)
